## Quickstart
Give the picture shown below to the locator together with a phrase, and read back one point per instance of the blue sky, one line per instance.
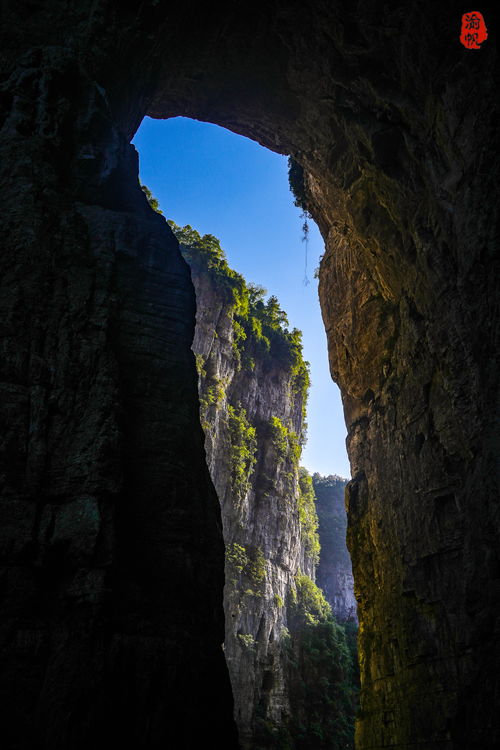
(227, 185)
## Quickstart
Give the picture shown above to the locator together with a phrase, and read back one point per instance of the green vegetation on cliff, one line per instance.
(285, 442)
(323, 687)
(249, 562)
(322, 677)
(260, 327)
(308, 516)
(153, 202)
(243, 449)
(308, 604)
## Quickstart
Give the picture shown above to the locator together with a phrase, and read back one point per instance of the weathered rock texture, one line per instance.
(252, 411)
(334, 572)
(291, 665)
(105, 493)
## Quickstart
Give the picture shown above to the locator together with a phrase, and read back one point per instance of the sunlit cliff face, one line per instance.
(401, 183)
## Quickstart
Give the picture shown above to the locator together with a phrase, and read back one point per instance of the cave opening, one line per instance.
(103, 459)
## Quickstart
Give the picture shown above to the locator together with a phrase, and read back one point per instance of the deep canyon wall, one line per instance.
(111, 541)
(253, 384)
(252, 407)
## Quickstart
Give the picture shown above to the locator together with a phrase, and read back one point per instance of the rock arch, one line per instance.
(111, 541)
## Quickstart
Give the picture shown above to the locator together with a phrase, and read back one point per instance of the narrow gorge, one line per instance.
(282, 639)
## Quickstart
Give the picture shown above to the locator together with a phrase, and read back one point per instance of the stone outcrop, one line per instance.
(334, 572)
(105, 491)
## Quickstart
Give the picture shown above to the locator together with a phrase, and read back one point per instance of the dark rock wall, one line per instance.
(395, 123)
(112, 553)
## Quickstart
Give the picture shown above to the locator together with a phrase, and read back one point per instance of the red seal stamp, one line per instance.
(474, 30)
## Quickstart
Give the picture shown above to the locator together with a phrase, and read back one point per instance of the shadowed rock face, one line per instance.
(111, 541)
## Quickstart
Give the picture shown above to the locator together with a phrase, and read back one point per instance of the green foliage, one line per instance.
(308, 606)
(243, 449)
(205, 253)
(322, 674)
(246, 640)
(251, 592)
(200, 365)
(239, 336)
(250, 563)
(299, 368)
(324, 689)
(285, 637)
(308, 516)
(151, 199)
(213, 393)
(237, 556)
(278, 600)
(279, 437)
(285, 441)
(257, 566)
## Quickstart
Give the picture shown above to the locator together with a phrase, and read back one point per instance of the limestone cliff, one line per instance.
(334, 572)
(252, 410)
(253, 386)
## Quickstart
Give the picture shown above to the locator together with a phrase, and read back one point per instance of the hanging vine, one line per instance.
(305, 215)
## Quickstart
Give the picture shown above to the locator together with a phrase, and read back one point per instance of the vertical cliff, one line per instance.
(253, 386)
(334, 572)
